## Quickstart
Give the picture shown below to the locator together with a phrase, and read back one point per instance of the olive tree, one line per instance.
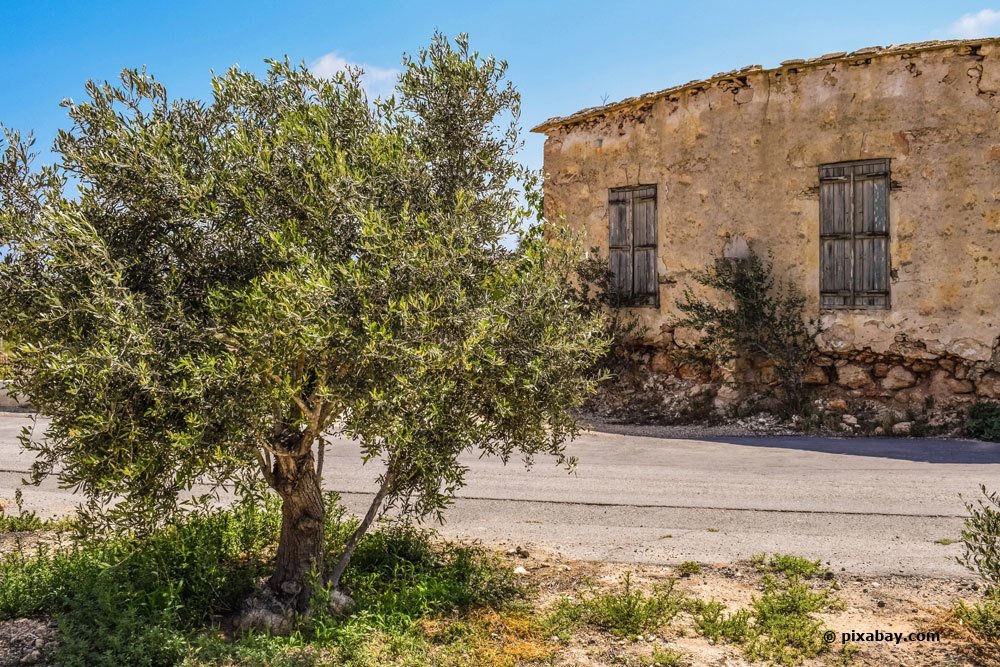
(205, 291)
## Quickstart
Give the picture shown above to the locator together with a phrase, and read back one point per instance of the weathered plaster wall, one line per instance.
(737, 156)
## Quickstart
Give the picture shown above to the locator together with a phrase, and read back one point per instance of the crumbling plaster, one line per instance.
(737, 156)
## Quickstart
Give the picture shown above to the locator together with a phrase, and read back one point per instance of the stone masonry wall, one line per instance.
(735, 159)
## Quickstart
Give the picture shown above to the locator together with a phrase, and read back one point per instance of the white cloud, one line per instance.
(980, 24)
(377, 81)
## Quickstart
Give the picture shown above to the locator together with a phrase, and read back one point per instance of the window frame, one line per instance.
(648, 244)
(853, 173)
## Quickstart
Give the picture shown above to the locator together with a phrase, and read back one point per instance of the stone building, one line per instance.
(873, 178)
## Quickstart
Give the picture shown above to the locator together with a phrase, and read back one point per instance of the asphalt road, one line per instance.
(869, 506)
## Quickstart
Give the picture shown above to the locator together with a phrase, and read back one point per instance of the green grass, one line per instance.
(26, 521)
(983, 618)
(628, 612)
(780, 626)
(667, 657)
(789, 565)
(946, 541)
(155, 601)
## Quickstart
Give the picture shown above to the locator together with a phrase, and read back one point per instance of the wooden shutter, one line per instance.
(854, 235)
(632, 243)
(620, 247)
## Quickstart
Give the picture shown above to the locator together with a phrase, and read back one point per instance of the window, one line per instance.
(854, 234)
(632, 246)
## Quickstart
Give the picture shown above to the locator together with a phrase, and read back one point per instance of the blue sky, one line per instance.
(563, 56)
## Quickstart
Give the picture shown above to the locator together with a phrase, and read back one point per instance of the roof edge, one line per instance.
(796, 64)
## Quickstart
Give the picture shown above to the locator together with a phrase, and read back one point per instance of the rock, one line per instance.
(880, 370)
(662, 363)
(849, 420)
(853, 376)
(341, 604)
(971, 349)
(726, 397)
(690, 372)
(989, 386)
(520, 570)
(943, 386)
(898, 378)
(687, 337)
(912, 350)
(264, 620)
(815, 375)
(838, 337)
(836, 405)
(879, 430)
(902, 428)
(768, 375)
(31, 658)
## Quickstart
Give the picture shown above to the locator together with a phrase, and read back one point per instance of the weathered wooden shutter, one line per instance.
(620, 246)
(854, 235)
(632, 244)
(644, 283)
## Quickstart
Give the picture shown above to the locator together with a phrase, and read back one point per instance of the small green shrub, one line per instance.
(626, 613)
(981, 538)
(983, 618)
(789, 565)
(688, 568)
(779, 627)
(766, 321)
(26, 521)
(712, 621)
(133, 600)
(983, 421)
(667, 657)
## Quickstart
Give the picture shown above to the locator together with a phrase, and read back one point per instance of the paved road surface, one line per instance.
(870, 506)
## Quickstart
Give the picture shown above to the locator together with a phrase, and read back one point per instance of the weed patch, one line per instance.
(779, 626)
(983, 618)
(788, 565)
(625, 613)
(147, 601)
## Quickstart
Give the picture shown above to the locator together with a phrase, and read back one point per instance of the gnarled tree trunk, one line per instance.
(299, 562)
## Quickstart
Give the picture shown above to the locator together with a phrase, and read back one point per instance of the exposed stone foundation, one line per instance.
(900, 392)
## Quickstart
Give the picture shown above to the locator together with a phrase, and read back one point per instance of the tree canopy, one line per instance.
(204, 291)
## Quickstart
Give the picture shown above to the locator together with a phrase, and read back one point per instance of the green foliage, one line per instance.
(201, 291)
(712, 621)
(667, 657)
(789, 565)
(626, 613)
(981, 538)
(146, 600)
(784, 631)
(593, 287)
(132, 600)
(764, 320)
(983, 618)
(24, 520)
(779, 627)
(983, 421)
(400, 576)
(688, 567)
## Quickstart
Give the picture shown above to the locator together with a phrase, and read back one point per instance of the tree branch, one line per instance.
(352, 543)
(265, 468)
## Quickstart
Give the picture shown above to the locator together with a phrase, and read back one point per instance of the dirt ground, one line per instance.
(888, 604)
